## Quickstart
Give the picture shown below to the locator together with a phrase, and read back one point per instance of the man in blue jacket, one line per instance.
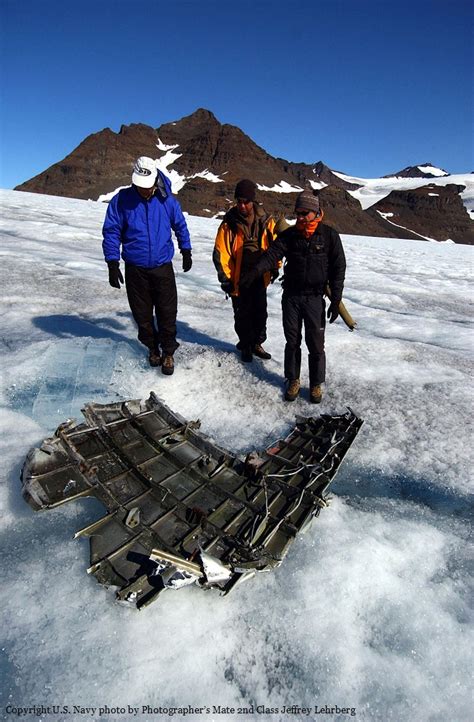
(140, 219)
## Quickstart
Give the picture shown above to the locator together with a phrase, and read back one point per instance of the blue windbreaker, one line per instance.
(143, 228)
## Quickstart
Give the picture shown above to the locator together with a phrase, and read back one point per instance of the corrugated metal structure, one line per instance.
(180, 509)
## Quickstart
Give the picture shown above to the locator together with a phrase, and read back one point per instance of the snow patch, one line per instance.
(107, 197)
(207, 175)
(317, 185)
(281, 187)
(161, 146)
(432, 170)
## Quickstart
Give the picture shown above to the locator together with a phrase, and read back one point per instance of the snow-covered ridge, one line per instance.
(374, 189)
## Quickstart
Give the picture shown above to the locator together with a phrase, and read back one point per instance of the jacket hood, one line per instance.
(163, 185)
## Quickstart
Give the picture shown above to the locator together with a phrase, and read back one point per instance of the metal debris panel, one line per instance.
(180, 509)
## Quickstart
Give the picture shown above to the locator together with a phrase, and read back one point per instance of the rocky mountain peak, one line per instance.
(206, 158)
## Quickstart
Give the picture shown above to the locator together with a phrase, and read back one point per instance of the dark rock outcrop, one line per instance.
(432, 211)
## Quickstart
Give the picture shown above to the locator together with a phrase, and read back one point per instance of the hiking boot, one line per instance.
(154, 358)
(246, 354)
(261, 353)
(292, 390)
(167, 366)
(315, 394)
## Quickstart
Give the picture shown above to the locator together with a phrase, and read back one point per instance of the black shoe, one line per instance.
(246, 354)
(154, 358)
(261, 353)
(167, 366)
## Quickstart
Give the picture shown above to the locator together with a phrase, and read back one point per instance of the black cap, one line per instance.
(246, 189)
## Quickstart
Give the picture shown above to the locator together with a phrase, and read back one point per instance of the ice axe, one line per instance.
(281, 225)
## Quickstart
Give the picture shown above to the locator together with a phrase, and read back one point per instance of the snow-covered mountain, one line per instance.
(205, 158)
(370, 610)
(424, 170)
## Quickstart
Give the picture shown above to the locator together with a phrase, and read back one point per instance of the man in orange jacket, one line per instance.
(244, 234)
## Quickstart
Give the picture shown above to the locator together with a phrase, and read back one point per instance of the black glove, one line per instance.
(333, 311)
(187, 260)
(115, 274)
(227, 286)
(248, 278)
(274, 275)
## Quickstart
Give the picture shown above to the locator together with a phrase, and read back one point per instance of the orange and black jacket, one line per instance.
(229, 246)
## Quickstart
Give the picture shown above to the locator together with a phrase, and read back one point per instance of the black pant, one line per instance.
(310, 311)
(148, 290)
(250, 314)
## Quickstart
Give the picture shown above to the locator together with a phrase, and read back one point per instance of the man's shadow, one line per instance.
(65, 326)
(257, 367)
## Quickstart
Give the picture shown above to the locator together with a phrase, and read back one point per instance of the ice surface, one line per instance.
(370, 609)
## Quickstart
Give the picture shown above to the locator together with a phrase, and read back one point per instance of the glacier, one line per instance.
(370, 610)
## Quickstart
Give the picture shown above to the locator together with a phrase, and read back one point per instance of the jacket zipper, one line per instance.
(148, 231)
(306, 262)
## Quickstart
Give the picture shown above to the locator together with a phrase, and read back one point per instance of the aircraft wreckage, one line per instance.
(180, 509)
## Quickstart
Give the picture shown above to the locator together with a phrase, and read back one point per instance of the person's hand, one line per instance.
(333, 311)
(115, 274)
(248, 278)
(187, 260)
(227, 286)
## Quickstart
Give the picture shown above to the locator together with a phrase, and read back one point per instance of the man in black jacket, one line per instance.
(314, 259)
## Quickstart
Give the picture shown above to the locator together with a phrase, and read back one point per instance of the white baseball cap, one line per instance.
(144, 172)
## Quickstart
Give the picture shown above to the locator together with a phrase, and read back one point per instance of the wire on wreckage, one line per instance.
(265, 517)
(304, 466)
(321, 501)
(334, 442)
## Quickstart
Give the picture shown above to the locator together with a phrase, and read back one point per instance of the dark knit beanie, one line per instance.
(246, 189)
(307, 201)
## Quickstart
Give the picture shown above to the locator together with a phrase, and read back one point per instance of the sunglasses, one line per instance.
(303, 213)
(244, 201)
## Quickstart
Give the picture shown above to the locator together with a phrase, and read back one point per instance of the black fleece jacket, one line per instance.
(311, 263)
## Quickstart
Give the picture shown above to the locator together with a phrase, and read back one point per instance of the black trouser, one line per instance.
(250, 306)
(310, 311)
(250, 314)
(148, 290)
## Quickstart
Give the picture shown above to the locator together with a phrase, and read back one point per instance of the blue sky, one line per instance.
(366, 86)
